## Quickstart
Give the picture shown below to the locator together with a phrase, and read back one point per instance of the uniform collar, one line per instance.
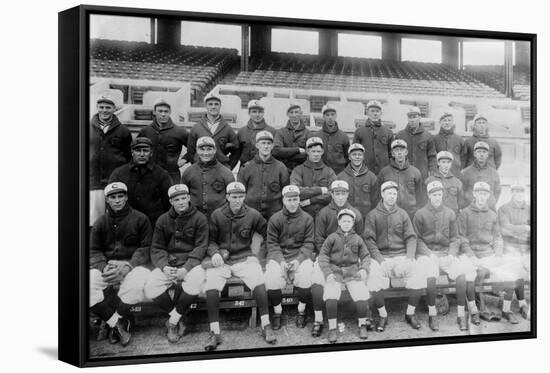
(258, 127)
(190, 211)
(330, 130)
(167, 126)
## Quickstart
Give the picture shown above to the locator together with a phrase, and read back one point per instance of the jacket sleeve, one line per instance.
(166, 183)
(142, 254)
(375, 192)
(324, 199)
(498, 244)
(115, 176)
(418, 224)
(307, 248)
(280, 151)
(463, 154)
(235, 149)
(498, 155)
(159, 245)
(409, 236)
(364, 255)
(507, 229)
(260, 227)
(320, 229)
(369, 236)
(191, 146)
(213, 235)
(461, 198)
(346, 145)
(324, 256)
(242, 176)
(126, 146)
(359, 225)
(284, 177)
(201, 244)
(305, 192)
(454, 237)
(274, 251)
(432, 154)
(98, 260)
(463, 233)
(498, 187)
(469, 153)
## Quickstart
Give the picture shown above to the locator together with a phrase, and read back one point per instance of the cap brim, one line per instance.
(178, 193)
(291, 194)
(116, 191)
(106, 101)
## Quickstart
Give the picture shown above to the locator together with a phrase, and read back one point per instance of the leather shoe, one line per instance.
(317, 329)
(363, 332)
(114, 338)
(332, 335)
(172, 332)
(276, 321)
(213, 341)
(182, 328)
(510, 317)
(524, 312)
(123, 330)
(474, 317)
(301, 320)
(370, 325)
(382, 324)
(269, 336)
(462, 322)
(104, 331)
(412, 321)
(433, 323)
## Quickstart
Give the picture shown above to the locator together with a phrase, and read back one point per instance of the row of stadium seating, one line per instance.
(493, 76)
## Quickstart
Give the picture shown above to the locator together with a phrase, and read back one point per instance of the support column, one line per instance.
(328, 43)
(450, 52)
(245, 46)
(169, 32)
(508, 68)
(391, 47)
(523, 55)
(260, 40)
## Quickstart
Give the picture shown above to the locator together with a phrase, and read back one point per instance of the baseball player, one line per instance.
(362, 181)
(264, 177)
(335, 140)
(344, 260)
(481, 240)
(438, 240)
(232, 227)
(408, 178)
(167, 139)
(375, 137)
(179, 245)
(109, 148)
(119, 247)
(448, 140)
(313, 178)
(214, 126)
(147, 182)
(480, 130)
(207, 178)
(453, 196)
(515, 224)
(289, 250)
(290, 141)
(480, 170)
(391, 240)
(246, 136)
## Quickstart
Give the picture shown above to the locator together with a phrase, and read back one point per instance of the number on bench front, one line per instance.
(239, 303)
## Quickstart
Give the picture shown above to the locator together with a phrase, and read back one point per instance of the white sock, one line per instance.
(264, 319)
(472, 306)
(215, 327)
(319, 316)
(410, 309)
(522, 302)
(432, 311)
(332, 324)
(278, 309)
(382, 312)
(301, 307)
(174, 317)
(113, 320)
(506, 305)
(460, 311)
(362, 321)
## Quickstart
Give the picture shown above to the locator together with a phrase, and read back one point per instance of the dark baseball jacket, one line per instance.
(287, 144)
(233, 232)
(343, 255)
(310, 177)
(107, 150)
(227, 144)
(207, 182)
(289, 236)
(474, 173)
(389, 233)
(336, 144)
(124, 235)
(180, 240)
(376, 138)
(147, 187)
(515, 224)
(246, 136)
(264, 182)
(436, 231)
(326, 222)
(453, 193)
(409, 180)
(363, 188)
(495, 152)
(453, 143)
(479, 231)
(421, 147)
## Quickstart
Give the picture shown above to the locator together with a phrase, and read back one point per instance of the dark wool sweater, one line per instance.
(515, 224)
(246, 136)
(336, 144)
(376, 138)
(449, 141)
(310, 177)
(409, 180)
(326, 222)
(421, 148)
(287, 144)
(479, 231)
(436, 230)
(363, 188)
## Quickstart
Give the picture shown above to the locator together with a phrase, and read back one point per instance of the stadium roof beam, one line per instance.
(450, 52)
(391, 47)
(260, 40)
(169, 32)
(328, 42)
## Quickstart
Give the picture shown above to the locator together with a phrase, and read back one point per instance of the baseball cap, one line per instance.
(339, 185)
(479, 116)
(160, 102)
(142, 142)
(434, 186)
(312, 141)
(374, 103)
(348, 212)
(212, 96)
(445, 115)
(444, 155)
(264, 135)
(205, 141)
(356, 146)
(291, 191)
(481, 186)
(115, 187)
(255, 104)
(399, 143)
(389, 185)
(105, 98)
(293, 105)
(327, 107)
(414, 110)
(235, 187)
(481, 145)
(177, 189)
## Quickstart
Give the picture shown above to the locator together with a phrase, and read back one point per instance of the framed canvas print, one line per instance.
(237, 185)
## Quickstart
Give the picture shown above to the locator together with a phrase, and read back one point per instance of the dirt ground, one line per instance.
(148, 337)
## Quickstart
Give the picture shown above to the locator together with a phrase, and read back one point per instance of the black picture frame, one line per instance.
(73, 180)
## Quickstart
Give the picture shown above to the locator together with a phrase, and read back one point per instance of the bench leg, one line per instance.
(481, 302)
(252, 322)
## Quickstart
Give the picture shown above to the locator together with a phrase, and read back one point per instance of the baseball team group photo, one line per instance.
(258, 186)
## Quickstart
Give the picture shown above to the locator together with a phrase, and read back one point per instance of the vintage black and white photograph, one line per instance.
(258, 186)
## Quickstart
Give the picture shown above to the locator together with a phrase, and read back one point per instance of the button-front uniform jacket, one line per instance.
(409, 180)
(479, 231)
(421, 148)
(290, 236)
(147, 187)
(167, 144)
(180, 240)
(389, 233)
(264, 182)
(336, 144)
(207, 182)
(122, 235)
(437, 231)
(515, 224)
(310, 177)
(287, 144)
(107, 150)
(343, 255)
(247, 139)
(225, 138)
(326, 222)
(453, 190)
(495, 152)
(363, 188)
(447, 140)
(474, 173)
(233, 232)
(376, 138)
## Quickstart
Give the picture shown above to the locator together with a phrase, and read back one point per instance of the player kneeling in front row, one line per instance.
(289, 249)
(119, 246)
(179, 244)
(391, 240)
(344, 259)
(232, 227)
(438, 245)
